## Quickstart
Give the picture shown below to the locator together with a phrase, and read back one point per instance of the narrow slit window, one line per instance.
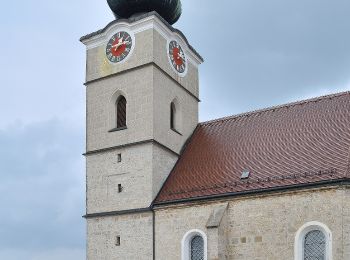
(172, 115)
(120, 188)
(119, 157)
(117, 241)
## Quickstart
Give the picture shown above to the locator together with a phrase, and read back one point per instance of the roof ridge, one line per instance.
(287, 105)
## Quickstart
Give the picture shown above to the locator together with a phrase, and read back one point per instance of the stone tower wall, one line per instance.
(148, 147)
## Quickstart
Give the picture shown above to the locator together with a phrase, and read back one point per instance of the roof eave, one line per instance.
(321, 184)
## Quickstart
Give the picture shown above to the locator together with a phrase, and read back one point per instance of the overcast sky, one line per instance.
(258, 53)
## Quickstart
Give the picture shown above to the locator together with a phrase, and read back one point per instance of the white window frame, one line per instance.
(186, 244)
(300, 238)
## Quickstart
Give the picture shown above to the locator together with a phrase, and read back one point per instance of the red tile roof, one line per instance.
(298, 143)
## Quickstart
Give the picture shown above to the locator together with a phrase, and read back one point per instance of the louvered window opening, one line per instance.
(121, 112)
(315, 246)
(197, 248)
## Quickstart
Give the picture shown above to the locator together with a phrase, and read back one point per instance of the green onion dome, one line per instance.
(170, 10)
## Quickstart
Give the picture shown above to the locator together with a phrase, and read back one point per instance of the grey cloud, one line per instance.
(269, 52)
(31, 254)
(42, 187)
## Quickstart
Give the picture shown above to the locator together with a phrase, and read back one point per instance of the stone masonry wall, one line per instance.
(137, 87)
(141, 173)
(134, 173)
(162, 164)
(135, 233)
(260, 227)
(166, 91)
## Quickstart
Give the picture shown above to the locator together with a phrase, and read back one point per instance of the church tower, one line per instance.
(142, 106)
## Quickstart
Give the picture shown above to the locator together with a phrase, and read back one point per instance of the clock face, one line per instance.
(119, 47)
(177, 57)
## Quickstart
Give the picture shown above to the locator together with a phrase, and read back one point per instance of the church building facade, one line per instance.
(271, 184)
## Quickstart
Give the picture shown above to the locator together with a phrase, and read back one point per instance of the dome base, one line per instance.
(170, 10)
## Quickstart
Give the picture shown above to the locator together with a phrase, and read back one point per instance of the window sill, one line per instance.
(118, 129)
(176, 131)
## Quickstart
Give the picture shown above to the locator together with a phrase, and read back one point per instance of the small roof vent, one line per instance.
(245, 175)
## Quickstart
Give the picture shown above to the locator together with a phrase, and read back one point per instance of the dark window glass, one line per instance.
(172, 115)
(315, 246)
(197, 248)
(117, 241)
(121, 112)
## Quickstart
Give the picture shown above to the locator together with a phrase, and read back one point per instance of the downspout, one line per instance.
(154, 234)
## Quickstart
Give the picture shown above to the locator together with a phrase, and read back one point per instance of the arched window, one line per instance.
(197, 248)
(313, 241)
(121, 112)
(172, 115)
(194, 245)
(176, 116)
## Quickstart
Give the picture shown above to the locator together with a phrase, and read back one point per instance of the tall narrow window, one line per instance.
(172, 115)
(315, 245)
(197, 248)
(121, 112)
